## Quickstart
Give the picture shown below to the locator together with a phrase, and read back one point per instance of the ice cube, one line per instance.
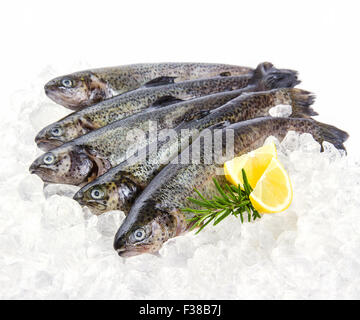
(61, 212)
(330, 151)
(65, 190)
(308, 143)
(290, 142)
(281, 110)
(30, 188)
(109, 222)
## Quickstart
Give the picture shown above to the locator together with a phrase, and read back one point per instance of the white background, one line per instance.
(49, 249)
(320, 39)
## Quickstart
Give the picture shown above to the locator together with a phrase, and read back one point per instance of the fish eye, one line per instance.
(139, 234)
(67, 83)
(49, 158)
(56, 132)
(97, 193)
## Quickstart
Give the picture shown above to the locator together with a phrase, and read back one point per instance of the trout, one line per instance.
(99, 115)
(81, 160)
(118, 188)
(156, 215)
(84, 88)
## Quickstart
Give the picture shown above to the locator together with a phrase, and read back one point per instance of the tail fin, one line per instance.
(268, 77)
(333, 135)
(301, 102)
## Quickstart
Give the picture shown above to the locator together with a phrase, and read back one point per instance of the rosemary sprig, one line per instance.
(232, 200)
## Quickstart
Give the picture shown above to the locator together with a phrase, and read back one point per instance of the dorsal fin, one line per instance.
(220, 125)
(261, 71)
(160, 81)
(165, 101)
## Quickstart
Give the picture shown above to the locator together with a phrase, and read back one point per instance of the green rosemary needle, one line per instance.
(232, 200)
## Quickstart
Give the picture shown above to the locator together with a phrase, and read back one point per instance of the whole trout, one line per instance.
(99, 115)
(84, 88)
(81, 160)
(118, 188)
(156, 215)
(169, 116)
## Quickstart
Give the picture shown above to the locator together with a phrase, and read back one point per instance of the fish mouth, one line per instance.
(50, 88)
(41, 173)
(53, 92)
(125, 253)
(95, 207)
(72, 101)
(34, 169)
(47, 145)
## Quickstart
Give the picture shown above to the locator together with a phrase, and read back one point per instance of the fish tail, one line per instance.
(301, 102)
(268, 77)
(332, 134)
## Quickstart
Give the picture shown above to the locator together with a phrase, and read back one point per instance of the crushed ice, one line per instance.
(281, 110)
(52, 248)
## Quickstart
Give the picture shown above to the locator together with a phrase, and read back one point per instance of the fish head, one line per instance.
(50, 137)
(66, 165)
(110, 193)
(77, 90)
(145, 231)
(57, 133)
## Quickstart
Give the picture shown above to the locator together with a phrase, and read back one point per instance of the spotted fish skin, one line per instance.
(76, 125)
(122, 184)
(81, 160)
(104, 113)
(120, 189)
(156, 215)
(84, 88)
(120, 107)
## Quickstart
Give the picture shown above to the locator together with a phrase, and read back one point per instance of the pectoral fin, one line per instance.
(220, 125)
(86, 125)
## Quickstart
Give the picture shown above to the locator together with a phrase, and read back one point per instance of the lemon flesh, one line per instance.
(273, 192)
(254, 163)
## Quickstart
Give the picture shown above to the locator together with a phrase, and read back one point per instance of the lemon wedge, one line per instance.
(272, 190)
(254, 163)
